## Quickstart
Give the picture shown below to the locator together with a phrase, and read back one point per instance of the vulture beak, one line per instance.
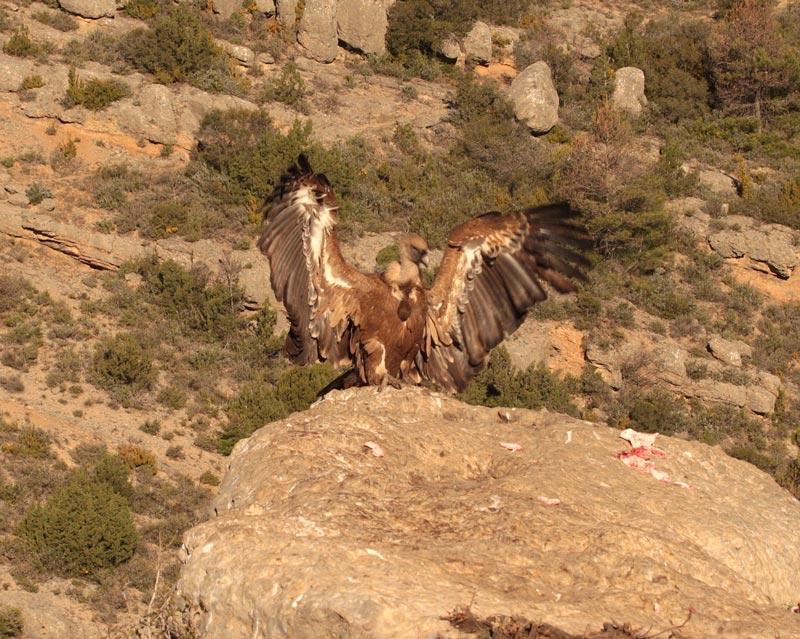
(425, 261)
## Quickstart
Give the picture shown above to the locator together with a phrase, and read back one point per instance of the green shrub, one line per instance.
(203, 306)
(778, 343)
(177, 48)
(32, 443)
(259, 403)
(31, 82)
(112, 470)
(209, 479)
(476, 98)
(20, 45)
(500, 384)
(122, 366)
(248, 152)
(114, 182)
(421, 25)
(83, 529)
(144, 9)
(36, 193)
(673, 53)
(11, 622)
(175, 452)
(93, 94)
(57, 19)
(151, 427)
(288, 88)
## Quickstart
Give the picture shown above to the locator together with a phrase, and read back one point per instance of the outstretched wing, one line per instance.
(491, 273)
(319, 290)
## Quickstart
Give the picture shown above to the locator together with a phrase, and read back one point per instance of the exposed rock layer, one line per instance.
(315, 535)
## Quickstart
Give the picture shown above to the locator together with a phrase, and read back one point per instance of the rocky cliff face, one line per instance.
(375, 514)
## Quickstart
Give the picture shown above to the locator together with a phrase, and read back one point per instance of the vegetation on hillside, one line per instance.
(723, 92)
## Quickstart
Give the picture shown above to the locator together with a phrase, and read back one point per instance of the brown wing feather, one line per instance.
(319, 290)
(490, 275)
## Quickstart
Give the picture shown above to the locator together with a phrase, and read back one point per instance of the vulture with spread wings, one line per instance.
(390, 327)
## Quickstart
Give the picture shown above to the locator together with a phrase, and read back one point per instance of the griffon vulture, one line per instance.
(390, 327)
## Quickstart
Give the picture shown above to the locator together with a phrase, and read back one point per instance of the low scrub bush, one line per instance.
(288, 88)
(259, 403)
(57, 19)
(94, 94)
(500, 384)
(81, 530)
(178, 47)
(673, 52)
(778, 343)
(206, 307)
(21, 45)
(123, 366)
(11, 622)
(247, 152)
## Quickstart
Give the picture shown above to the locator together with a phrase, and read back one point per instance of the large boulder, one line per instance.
(628, 92)
(226, 8)
(90, 8)
(362, 24)
(286, 10)
(317, 33)
(478, 43)
(534, 98)
(374, 514)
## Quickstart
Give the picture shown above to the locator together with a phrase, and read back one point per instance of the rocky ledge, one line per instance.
(375, 514)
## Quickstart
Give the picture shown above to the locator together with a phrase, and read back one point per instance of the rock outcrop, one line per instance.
(317, 32)
(90, 8)
(478, 43)
(108, 252)
(663, 360)
(362, 24)
(772, 246)
(628, 92)
(534, 98)
(373, 514)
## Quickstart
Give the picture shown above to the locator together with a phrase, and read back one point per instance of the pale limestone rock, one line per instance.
(13, 70)
(312, 535)
(243, 55)
(286, 10)
(718, 182)
(478, 43)
(361, 24)
(90, 8)
(226, 8)
(729, 351)
(317, 33)
(628, 92)
(773, 245)
(151, 116)
(534, 98)
(450, 47)
(663, 360)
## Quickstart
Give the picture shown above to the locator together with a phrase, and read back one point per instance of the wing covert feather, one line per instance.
(491, 274)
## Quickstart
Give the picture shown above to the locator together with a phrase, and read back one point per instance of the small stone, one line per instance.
(48, 204)
(265, 58)
(18, 199)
